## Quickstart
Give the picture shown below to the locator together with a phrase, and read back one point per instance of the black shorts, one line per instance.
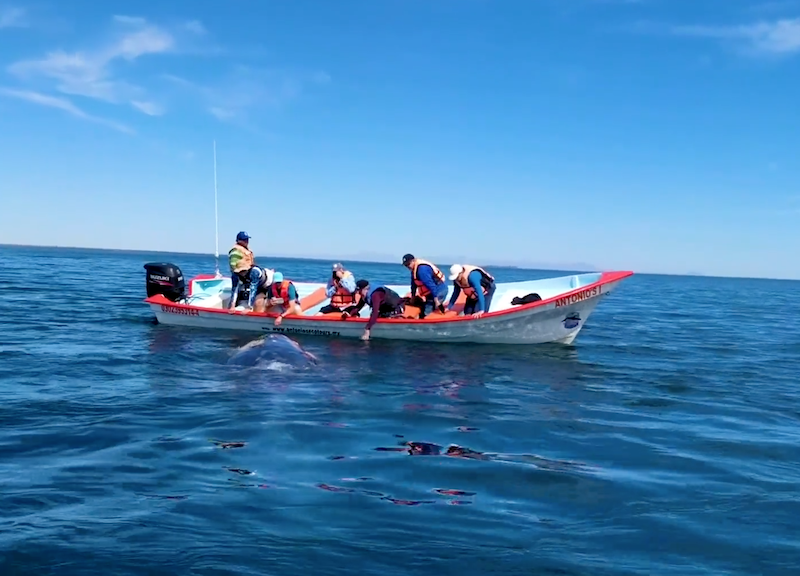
(330, 308)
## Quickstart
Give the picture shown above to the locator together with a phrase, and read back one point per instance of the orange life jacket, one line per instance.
(283, 291)
(342, 298)
(247, 260)
(422, 290)
(463, 281)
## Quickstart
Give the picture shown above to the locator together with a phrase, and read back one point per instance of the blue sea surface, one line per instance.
(665, 441)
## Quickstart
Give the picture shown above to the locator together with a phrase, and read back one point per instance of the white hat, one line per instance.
(455, 270)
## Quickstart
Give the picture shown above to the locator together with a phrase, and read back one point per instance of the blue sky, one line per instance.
(652, 135)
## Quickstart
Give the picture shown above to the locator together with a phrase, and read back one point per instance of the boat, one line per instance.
(528, 312)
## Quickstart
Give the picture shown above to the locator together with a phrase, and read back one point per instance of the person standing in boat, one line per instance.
(341, 289)
(383, 301)
(240, 261)
(478, 287)
(282, 298)
(427, 283)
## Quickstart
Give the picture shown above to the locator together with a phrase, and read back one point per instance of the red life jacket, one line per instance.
(342, 298)
(283, 291)
(422, 290)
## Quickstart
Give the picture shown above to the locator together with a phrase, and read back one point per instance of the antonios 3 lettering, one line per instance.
(578, 296)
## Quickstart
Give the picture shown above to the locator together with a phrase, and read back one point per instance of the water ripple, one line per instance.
(665, 442)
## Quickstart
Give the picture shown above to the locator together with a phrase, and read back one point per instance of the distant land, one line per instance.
(367, 257)
(381, 258)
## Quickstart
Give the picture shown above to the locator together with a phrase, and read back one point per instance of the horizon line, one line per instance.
(356, 259)
(311, 258)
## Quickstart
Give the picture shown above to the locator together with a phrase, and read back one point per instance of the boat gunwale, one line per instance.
(605, 278)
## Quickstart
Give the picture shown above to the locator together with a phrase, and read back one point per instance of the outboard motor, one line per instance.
(167, 279)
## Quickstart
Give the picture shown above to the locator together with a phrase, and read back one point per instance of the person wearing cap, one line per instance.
(282, 298)
(240, 261)
(383, 301)
(341, 290)
(240, 257)
(478, 287)
(427, 283)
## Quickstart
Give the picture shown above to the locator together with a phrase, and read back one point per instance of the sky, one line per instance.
(646, 135)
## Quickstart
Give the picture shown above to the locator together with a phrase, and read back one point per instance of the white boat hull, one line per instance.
(555, 319)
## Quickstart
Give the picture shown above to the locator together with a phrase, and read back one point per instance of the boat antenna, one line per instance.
(216, 218)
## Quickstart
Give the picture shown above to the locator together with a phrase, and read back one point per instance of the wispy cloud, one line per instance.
(222, 113)
(92, 73)
(12, 17)
(111, 73)
(61, 104)
(780, 37)
(246, 90)
(149, 108)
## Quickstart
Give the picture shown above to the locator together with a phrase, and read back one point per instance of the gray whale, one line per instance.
(273, 352)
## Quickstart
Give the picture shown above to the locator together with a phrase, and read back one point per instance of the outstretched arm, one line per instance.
(377, 300)
(475, 281)
(454, 297)
(355, 310)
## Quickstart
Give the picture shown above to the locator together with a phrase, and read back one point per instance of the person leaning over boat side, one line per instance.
(240, 261)
(383, 301)
(478, 287)
(260, 280)
(282, 298)
(427, 282)
(341, 289)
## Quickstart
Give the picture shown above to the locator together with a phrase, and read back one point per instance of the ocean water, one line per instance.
(666, 441)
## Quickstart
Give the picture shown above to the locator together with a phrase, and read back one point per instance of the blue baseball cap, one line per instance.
(277, 277)
(242, 236)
